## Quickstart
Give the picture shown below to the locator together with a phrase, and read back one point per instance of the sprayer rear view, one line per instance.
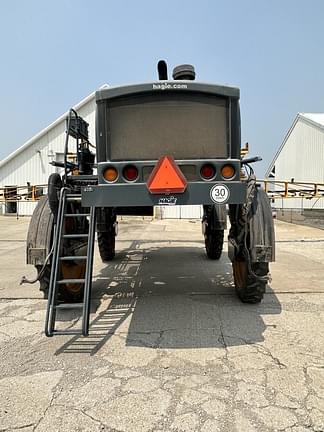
(167, 142)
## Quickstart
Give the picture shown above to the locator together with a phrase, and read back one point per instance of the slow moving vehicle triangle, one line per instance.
(166, 177)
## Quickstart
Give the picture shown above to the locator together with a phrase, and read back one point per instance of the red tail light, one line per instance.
(207, 171)
(130, 173)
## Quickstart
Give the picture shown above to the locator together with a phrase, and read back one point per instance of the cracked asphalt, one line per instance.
(170, 348)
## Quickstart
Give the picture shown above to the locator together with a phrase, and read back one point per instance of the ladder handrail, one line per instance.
(66, 146)
(50, 313)
(88, 273)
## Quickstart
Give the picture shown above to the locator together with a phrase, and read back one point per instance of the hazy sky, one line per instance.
(54, 53)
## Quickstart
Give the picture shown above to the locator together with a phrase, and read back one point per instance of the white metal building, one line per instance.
(29, 164)
(300, 158)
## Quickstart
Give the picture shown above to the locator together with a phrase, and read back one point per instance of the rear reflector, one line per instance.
(166, 177)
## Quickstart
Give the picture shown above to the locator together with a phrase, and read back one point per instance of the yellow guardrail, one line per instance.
(290, 189)
(22, 193)
(274, 188)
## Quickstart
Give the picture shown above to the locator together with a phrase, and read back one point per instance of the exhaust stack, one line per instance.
(184, 72)
(162, 70)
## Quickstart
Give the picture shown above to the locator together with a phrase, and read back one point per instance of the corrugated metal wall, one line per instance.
(181, 212)
(302, 159)
(32, 164)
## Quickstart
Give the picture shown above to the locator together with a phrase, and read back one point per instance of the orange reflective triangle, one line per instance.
(166, 177)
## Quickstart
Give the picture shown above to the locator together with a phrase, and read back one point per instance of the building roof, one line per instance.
(314, 119)
(48, 128)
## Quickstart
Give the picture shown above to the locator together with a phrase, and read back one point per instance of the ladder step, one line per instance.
(57, 280)
(67, 332)
(76, 214)
(71, 197)
(69, 281)
(75, 235)
(73, 258)
(69, 306)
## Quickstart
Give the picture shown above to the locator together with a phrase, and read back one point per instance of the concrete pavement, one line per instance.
(170, 347)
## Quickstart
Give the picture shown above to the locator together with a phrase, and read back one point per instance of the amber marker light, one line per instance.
(110, 174)
(227, 171)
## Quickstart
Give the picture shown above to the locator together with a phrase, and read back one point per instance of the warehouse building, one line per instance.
(300, 159)
(30, 165)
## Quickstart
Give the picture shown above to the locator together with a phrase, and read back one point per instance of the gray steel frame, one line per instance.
(131, 194)
(161, 86)
(137, 194)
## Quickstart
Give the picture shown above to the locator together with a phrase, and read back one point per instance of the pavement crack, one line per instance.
(84, 413)
(44, 414)
(73, 323)
(221, 339)
(310, 391)
(263, 350)
(260, 348)
(17, 427)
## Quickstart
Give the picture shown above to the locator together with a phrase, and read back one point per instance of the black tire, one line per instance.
(251, 244)
(106, 244)
(250, 286)
(214, 244)
(64, 295)
(54, 186)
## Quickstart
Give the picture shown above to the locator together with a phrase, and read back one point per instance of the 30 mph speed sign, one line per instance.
(219, 194)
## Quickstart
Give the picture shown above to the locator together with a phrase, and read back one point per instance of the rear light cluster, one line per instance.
(130, 173)
(208, 171)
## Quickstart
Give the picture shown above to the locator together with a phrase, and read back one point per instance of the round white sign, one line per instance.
(219, 194)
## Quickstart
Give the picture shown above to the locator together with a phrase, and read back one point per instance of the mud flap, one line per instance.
(252, 227)
(217, 219)
(261, 229)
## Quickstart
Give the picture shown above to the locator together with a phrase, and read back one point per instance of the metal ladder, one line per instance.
(53, 305)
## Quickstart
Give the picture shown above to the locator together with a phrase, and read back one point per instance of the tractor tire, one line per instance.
(67, 294)
(251, 244)
(214, 244)
(249, 288)
(54, 186)
(106, 244)
(72, 292)
(40, 236)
